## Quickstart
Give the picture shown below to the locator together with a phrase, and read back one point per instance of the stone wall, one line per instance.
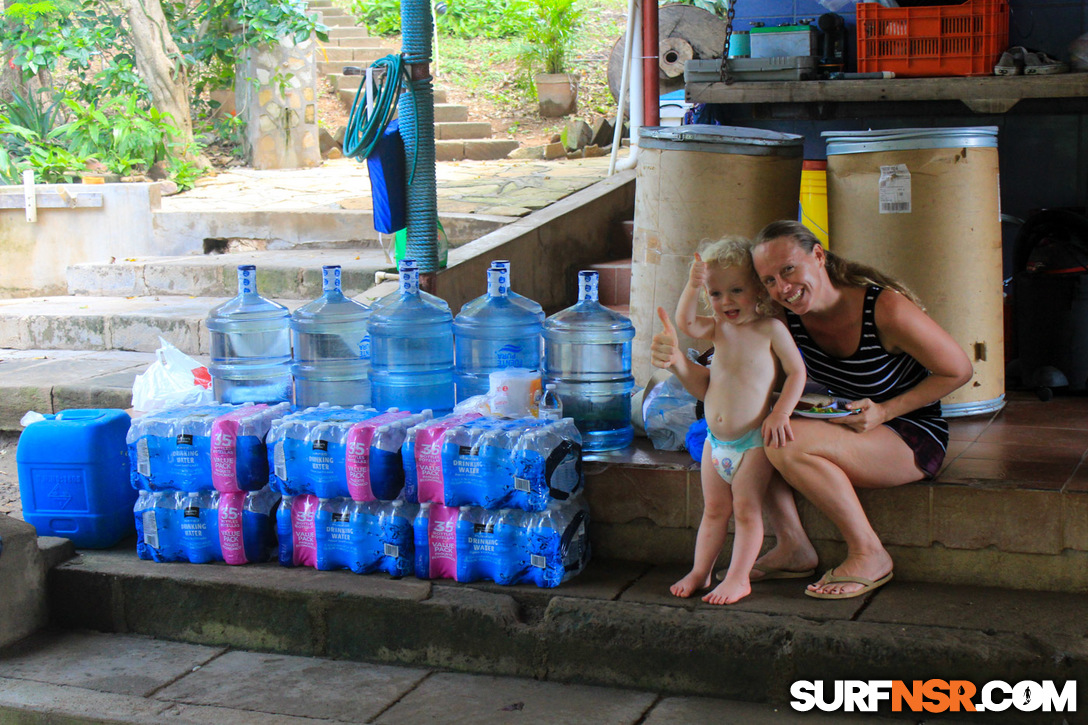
(276, 93)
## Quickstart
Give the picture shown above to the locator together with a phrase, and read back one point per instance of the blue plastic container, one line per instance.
(587, 355)
(493, 333)
(74, 477)
(411, 349)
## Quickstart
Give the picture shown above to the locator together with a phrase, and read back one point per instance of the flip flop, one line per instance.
(769, 574)
(867, 585)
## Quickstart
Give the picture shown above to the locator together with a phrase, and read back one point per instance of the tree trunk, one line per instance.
(159, 62)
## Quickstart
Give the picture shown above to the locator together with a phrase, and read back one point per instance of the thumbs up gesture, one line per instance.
(665, 347)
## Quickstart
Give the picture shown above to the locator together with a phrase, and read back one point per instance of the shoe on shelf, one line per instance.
(1041, 64)
(1011, 62)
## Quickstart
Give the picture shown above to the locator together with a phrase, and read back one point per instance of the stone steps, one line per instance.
(359, 57)
(292, 274)
(478, 150)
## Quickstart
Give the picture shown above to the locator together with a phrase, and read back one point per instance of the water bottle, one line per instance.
(518, 300)
(251, 346)
(492, 333)
(332, 348)
(587, 355)
(549, 407)
(411, 345)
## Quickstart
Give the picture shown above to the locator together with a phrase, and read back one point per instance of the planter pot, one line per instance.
(557, 93)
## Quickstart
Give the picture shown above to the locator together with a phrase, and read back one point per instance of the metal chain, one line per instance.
(726, 76)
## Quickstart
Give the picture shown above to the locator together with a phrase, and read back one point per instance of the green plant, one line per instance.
(549, 37)
(461, 18)
(121, 133)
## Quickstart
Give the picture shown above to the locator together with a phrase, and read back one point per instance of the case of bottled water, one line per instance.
(497, 463)
(338, 533)
(331, 347)
(422, 451)
(250, 346)
(205, 526)
(492, 333)
(587, 356)
(411, 348)
(336, 452)
(507, 546)
(203, 447)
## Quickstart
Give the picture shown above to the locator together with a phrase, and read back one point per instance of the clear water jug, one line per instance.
(493, 333)
(514, 297)
(411, 349)
(331, 347)
(251, 346)
(587, 355)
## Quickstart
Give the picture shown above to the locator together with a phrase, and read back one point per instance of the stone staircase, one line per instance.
(456, 137)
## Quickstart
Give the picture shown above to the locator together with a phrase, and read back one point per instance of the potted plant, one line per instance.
(547, 44)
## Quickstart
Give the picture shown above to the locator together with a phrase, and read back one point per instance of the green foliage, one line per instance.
(549, 37)
(121, 133)
(462, 19)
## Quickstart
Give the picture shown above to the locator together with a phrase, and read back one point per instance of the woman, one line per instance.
(865, 338)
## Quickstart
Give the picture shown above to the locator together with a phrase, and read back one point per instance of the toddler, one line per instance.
(751, 350)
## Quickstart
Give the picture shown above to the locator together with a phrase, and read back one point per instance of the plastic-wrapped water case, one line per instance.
(508, 546)
(205, 526)
(494, 462)
(338, 533)
(334, 452)
(73, 476)
(203, 447)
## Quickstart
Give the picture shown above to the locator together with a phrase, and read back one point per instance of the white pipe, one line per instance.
(630, 80)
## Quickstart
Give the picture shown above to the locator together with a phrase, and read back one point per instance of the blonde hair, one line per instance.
(735, 251)
(842, 272)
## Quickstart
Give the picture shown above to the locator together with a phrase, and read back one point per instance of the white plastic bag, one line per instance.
(668, 410)
(173, 379)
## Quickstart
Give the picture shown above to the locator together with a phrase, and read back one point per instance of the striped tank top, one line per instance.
(871, 372)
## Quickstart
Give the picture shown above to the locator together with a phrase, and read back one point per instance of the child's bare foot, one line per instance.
(729, 591)
(690, 584)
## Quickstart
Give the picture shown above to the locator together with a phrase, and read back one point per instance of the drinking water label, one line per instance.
(334, 537)
(442, 542)
(183, 458)
(224, 450)
(230, 527)
(358, 456)
(429, 455)
(199, 531)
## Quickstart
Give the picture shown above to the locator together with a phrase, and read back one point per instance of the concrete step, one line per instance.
(287, 274)
(362, 57)
(614, 625)
(444, 131)
(354, 43)
(347, 96)
(336, 53)
(342, 34)
(338, 19)
(476, 150)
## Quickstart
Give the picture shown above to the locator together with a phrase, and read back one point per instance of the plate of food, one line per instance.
(822, 406)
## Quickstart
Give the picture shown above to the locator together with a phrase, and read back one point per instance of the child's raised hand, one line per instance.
(665, 350)
(776, 430)
(697, 275)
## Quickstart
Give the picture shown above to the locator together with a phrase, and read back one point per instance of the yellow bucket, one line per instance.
(814, 198)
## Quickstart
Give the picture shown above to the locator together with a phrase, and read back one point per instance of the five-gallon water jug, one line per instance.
(492, 333)
(251, 346)
(411, 346)
(331, 347)
(587, 354)
(514, 297)
(73, 476)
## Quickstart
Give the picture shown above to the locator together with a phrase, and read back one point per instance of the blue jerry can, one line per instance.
(74, 477)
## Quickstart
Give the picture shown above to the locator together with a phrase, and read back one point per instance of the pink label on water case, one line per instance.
(428, 446)
(303, 533)
(225, 449)
(442, 540)
(231, 506)
(358, 453)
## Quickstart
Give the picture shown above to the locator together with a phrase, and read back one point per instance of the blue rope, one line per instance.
(421, 237)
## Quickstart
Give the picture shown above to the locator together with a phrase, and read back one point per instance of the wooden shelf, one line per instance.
(983, 94)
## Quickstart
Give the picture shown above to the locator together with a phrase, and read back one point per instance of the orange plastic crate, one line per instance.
(940, 40)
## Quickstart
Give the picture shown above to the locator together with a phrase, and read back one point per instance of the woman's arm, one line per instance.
(904, 327)
(665, 353)
(688, 321)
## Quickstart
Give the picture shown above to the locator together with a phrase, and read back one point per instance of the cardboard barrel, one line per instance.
(923, 205)
(694, 183)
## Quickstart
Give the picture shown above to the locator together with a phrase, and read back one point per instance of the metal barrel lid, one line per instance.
(907, 139)
(722, 140)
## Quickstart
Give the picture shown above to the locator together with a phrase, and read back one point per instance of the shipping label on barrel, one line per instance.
(894, 189)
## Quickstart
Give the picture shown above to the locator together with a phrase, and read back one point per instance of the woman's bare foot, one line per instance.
(733, 589)
(690, 584)
(782, 559)
(871, 566)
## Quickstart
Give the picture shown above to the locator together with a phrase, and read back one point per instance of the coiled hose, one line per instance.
(363, 129)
